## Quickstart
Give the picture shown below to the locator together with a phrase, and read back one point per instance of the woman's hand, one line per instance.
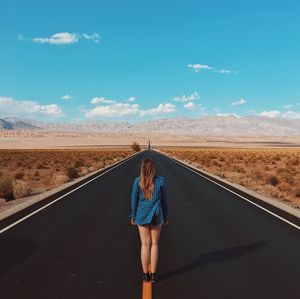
(132, 222)
(166, 222)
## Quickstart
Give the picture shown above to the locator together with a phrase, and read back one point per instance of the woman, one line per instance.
(149, 210)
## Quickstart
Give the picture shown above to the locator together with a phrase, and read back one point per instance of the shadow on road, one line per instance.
(15, 250)
(218, 256)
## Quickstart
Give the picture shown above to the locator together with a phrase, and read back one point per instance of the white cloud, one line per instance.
(58, 39)
(95, 37)
(288, 106)
(189, 105)
(223, 71)
(276, 113)
(160, 109)
(131, 99)
(228, 114)
(291, 114)
(64, 38)
(241, 101)
(187, 98)
(111, 108)
(12, 107)
(66, 97)
(271, 113)
(97, 100)
(198, 67)
(115, 109)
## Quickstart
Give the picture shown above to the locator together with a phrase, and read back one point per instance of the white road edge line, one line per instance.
(266, 210)
(64, 195)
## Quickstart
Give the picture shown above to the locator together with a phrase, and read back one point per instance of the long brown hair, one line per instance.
(148, 171)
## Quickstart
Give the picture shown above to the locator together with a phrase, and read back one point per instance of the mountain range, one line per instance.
(207, 126)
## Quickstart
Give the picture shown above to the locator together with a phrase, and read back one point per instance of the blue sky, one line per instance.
(139, 60)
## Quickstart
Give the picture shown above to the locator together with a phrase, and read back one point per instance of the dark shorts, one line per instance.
(158, 219)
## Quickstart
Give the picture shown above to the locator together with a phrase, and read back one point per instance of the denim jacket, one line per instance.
(143, 210)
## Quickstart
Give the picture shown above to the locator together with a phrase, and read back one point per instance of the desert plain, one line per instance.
(32, 162)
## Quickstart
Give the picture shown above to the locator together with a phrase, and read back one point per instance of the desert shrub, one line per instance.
(71, 172)
(60, 178)
(40, 166)
(21, 189)
(272, 180)
(206, 162)
(271, 191)
(100, 164)
(288, 177)
(216, 163)
(277, 158)
(284, 187)
(221, 174)
(6, 188)
(245, 181)
(282, 170)
(294, 162)
(135, 147)
(236, 168)
(258, 175)
(19, 175)
(84, 171)
(78, 163)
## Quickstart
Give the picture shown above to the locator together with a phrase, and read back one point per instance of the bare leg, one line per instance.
(145, 246)
(155, 234)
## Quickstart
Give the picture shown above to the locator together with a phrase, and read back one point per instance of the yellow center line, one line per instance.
(147, 289)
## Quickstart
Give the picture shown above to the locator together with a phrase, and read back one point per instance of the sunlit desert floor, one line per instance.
(37, 139)
(25, 172)
(272, 172)
(35, 162)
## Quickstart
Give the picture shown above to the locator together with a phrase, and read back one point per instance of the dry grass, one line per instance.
(26, 172)
(271, 172)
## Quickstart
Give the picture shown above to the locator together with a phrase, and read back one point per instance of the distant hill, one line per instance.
(5, 125)
(205, 126)
(14, 123)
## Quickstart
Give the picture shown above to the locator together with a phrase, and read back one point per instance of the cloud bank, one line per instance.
(200, 67)
(13, 107)
(63, 38)
(112, 108)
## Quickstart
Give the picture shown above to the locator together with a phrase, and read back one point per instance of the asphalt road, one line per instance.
(216, 245)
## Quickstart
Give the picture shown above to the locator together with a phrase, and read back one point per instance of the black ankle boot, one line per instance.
(153, 277)
(146, 277)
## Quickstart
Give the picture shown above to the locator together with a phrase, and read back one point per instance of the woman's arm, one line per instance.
(134, 199)
(164, 200)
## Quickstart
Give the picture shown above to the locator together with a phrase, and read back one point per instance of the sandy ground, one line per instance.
(271, 172)
(65, 140)
(273, 201)
(8, 208)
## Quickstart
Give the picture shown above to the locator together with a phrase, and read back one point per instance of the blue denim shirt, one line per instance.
(143, 210)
